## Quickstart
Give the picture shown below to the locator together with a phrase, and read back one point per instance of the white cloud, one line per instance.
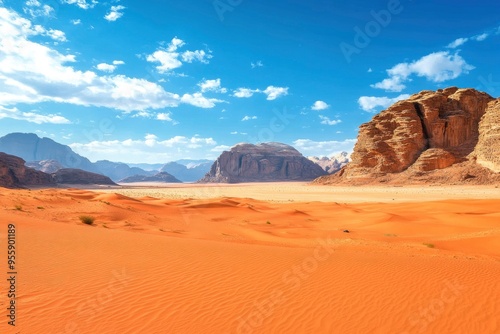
(481, 37)
(35, 9)
(370, 70)
(274, 92)
(219, 149)
(257, 64)
(245, 92)
(436, 67)
(198, 100)
(150, 149)
(56, 35)
(76, 22)
(199, 55)
(170, 59)
(392, 84)
(309, 147)
(371, 103)
(327, 121)
(248, 118)
(458, 42)
(32, 72)
(320, 105)
(83, 4)
(175, 44)
(115, 13)
(164, 117)
(32, 117)
(106, 67)
(212, 86)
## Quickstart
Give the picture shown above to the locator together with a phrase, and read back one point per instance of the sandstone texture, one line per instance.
(266, 162)
(448, 136)
(14, 174)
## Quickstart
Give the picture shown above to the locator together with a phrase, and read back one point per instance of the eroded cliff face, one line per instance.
(262, 163)
(487, 151)
(429, 131)
(14, 174)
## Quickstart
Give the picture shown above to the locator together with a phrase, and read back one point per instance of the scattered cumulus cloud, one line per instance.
(248, 118)
(212, 86)
(310, 147)
(76, 22)
(166, 117)
(372, 103)
(320, 105)
(436, 67)
(32, 117)
(115, 13)
(458, 42)
(170, 58)
(245, 92)
(150, 149)
(34, 8)
(106, 67)
(274, 92)
(109, 68)
(481, 37)
(198, 100)
(327, 121)
(257, 64)
(83, 4)
(32, 72)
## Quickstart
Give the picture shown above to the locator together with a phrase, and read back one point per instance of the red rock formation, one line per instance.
(427, 132)
(265, 162)
(14, 174)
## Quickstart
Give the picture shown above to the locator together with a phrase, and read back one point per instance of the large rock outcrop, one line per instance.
(78, 176)
(266, 162)
(429, 135)
(14, 174)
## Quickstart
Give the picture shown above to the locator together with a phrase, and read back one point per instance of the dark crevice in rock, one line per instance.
(420, 114)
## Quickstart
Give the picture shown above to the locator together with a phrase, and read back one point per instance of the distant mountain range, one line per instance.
(160, 177)
(334, 163)
(44, 154)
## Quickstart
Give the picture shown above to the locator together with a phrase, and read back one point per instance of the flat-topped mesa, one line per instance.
(430, 130)
(266, 162)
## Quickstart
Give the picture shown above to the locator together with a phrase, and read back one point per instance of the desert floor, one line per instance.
(261, 258)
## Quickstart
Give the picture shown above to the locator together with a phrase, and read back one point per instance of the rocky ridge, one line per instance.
(264, 162)
(448, 136)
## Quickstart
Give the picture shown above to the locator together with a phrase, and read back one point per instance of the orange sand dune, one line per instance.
(239, 265)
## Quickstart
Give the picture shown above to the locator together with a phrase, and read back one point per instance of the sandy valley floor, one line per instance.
(261, 258)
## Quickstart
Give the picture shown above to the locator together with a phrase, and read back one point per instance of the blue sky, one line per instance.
(159, 80)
